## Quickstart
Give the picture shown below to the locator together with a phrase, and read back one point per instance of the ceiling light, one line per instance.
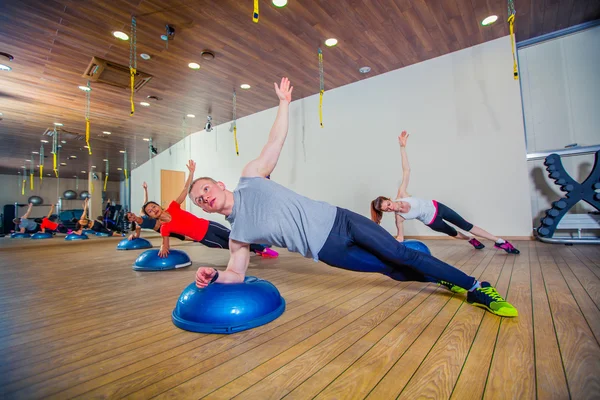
(35, 152)
(119, 169)
(86, 147)
(63, 163)
(144, 103)
(22, 166)
(279, 3)
(28, 160)
(83, 172)
(58, 124)
(105, 159)
(194, 65)
(245, 86)
(106, 133)
(191, 116)
(146, 139)
(93, 166)
(44, 141)
(72, 156)
(364, 70)
(63, 141)
(4, 67)
(121, 35)
(85, 88)
(489, 20)
(121, 151)
(331, 42)
(48, 174)
(145, 56)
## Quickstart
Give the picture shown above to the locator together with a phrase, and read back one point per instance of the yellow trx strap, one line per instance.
(321, 87)
(321, 107)
(41, 172)
(87, 134)
(105, 180)
(511, 23)
(126, 183)
(255, 14)
(237, 150)
(132, 72)
(54, 160)
(31, 180)
(23, 187)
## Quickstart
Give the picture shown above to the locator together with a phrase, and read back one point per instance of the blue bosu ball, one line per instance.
(134, 244)
(19, 235)
(228, 308)
(103, 234)
(74, 236)
(42, 235)
(150, 261)
(88, 232)
(416, 245)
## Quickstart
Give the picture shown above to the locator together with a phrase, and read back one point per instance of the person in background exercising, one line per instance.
(48, 223)
(25, 225)
(94, 225)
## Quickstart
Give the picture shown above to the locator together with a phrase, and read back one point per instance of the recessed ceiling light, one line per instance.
(146, 139)
(106, 132)
(63, 163)
(93, 166)
(105, 159)
(489, 20)
(364, 70)
(121, 35)
(145, 56)
(331, 42)
(72, 156)
(119, 169)
(28, 160)
(85, 88)
(245, 86)
(83, 172)
(194, 65)
(58, 124)
(144, 103)
(63, 141)
(279, 3)
(191, 116)
(48, 174)
(4, 67)
(44, 141)
(86, 147)
(35, 152)
(22, 166)
(121, 151)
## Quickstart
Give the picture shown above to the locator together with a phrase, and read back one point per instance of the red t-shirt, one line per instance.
(47, 224)
(184, 223)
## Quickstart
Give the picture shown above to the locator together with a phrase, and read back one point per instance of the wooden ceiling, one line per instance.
(53, 41)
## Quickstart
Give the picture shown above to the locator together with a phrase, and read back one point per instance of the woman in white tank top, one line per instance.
(430, 212)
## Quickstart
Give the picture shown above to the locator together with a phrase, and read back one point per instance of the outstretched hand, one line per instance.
(284, 91)
(191, 166)
(403, 138)
(163, 252)
(145, 185)
(204, 275)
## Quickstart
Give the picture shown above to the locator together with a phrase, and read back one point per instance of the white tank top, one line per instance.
(423, 210)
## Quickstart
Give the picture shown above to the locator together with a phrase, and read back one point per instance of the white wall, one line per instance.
(463, 111)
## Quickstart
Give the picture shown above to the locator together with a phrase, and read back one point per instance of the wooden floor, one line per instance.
(77, 322)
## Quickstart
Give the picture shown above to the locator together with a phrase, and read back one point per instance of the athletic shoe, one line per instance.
(451, 287)
(268, 253)
(476, 243)
(507, 247)
(487, 297)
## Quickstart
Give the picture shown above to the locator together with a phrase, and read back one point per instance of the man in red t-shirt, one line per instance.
(176, 220)
(51, 225)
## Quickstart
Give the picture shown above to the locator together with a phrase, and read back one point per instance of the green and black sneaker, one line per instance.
(487, 297)
(451, 287)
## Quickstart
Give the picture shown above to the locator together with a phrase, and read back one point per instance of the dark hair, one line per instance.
(17, 221)
(376, 213)
(146, 205)
(78, 226)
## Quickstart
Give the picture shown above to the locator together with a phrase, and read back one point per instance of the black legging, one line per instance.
(448, 214)
(217, 236)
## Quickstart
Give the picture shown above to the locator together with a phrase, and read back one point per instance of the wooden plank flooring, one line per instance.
(77, 322)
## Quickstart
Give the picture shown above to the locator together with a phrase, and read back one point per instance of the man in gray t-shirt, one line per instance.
(262, 211)
(26, 225)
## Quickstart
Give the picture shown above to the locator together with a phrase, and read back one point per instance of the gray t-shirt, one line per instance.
(28, 224)
(265, 212)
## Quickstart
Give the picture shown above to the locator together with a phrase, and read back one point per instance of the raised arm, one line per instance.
(164, 247)
(266, 162)
(84, 214)
(402, 139)
(400, 227)
(51, 211)
(239, 258)
(28, 211)
(145, 186)
(191, 166)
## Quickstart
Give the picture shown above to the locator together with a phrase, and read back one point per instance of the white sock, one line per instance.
(477, 285)
(500, 241)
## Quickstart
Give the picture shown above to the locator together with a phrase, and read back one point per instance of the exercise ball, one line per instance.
(19, 235)
(69, 195)
(416, 245)
(42, 235)
(228, 308)
(35, 200)
(150, 261)
(103, 234)
(88, 232)
(134, 244)
(84, 195)
(74, 236)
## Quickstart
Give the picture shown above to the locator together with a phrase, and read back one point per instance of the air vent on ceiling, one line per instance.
(103, 71)
(64, 134)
